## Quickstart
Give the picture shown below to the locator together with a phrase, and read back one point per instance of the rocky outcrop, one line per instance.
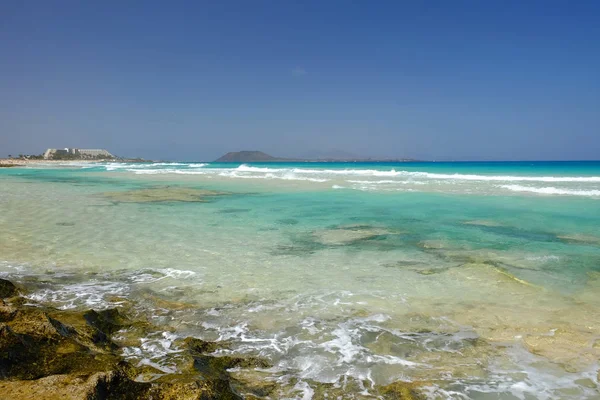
(101, 385)
(47, 353)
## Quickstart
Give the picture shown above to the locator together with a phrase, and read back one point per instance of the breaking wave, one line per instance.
(384, 180)
(551, 190)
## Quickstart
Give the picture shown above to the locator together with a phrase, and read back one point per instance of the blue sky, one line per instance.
(191, 80)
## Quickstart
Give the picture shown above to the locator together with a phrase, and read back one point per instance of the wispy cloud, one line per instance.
(299, 71)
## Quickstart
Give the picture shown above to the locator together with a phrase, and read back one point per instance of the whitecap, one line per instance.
(551, 190)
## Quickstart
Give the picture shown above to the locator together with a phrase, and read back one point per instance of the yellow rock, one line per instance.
(401, 391)
(55, 387)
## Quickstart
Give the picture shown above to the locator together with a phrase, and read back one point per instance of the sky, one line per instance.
(191, 80)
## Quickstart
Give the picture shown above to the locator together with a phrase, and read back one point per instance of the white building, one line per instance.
(81, 153)
(93, 152)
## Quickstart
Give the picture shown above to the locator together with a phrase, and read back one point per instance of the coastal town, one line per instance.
(79, 154)
(65, 154)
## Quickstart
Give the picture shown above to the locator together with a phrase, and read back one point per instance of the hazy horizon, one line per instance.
(193, 81)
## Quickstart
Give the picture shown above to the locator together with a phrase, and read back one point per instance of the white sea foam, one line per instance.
(551, 190)
(90, 294)
(543, 258)
(306, 391)
(152, 351)
(153, 275)
(162, 166)
(177, 273)
(343, 345)
(537, 381)
(283, 174)
(13, 270)
(402, 173)
(376, 180)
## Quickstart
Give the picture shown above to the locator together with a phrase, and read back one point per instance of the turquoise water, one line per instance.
(479, 280)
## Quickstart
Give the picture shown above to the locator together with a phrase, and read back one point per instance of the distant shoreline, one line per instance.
(14, 162)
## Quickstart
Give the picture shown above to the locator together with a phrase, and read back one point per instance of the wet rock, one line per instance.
(401, 391)
(7, 311)
(34, 344)
(167, 304)
(108, 321)
(217, 367)
(201, 346)
(54, 354)
(188, 387)
(101, 385)
(82, 330)
(254, 384)
(7, 289)
(35, 322)
(25, 357)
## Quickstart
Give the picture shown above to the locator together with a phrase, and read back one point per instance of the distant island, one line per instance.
(259, 156)
(249, 156)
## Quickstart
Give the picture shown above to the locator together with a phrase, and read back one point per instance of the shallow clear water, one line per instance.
(479, 279)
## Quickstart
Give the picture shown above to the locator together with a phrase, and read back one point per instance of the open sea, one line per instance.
(476, 280)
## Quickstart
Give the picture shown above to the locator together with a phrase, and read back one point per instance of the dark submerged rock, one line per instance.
(107, 321)
(164, 194)
(201, 346)
(7, 289)
(217, 366)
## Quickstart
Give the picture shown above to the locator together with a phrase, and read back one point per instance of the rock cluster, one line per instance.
(53, 354)
(46, 353)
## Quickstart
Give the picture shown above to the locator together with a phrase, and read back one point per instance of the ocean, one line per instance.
(475, 280)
